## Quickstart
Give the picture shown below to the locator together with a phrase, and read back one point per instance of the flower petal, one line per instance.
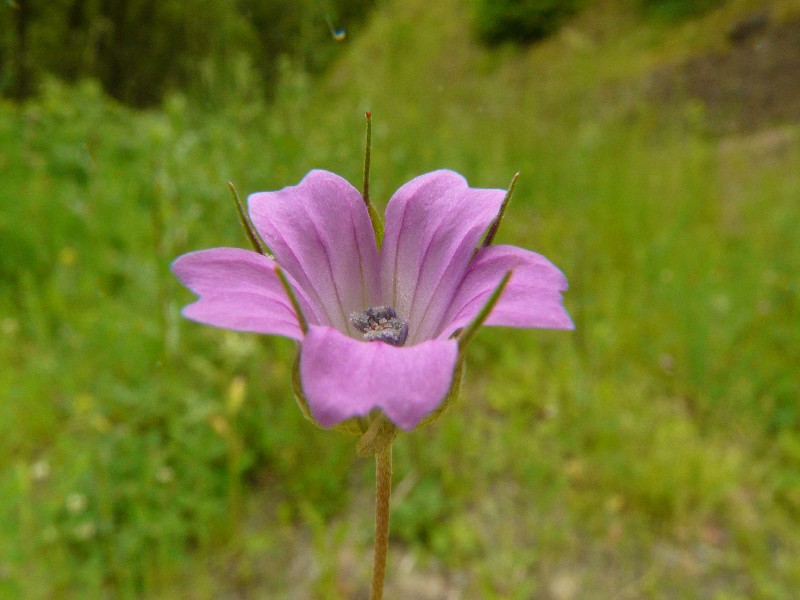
(320, 233)
(531, 299)
(433, 224)
(343, 377)
(239, 290)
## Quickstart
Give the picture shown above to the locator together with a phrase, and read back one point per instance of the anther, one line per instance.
(381, 324)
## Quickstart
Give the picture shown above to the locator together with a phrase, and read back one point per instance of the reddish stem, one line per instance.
(383, 490)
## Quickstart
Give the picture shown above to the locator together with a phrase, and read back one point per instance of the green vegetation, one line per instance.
(520, 20)
(200, 46)
(653, 453)
(677, 9)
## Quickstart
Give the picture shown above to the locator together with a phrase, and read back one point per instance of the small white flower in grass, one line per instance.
(76, 503)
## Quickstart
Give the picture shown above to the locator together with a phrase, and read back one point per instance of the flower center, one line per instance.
(381, 324)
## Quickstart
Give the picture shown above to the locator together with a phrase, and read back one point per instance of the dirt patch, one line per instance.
(752, 84)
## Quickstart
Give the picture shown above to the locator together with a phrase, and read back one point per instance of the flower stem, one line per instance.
(383, 489)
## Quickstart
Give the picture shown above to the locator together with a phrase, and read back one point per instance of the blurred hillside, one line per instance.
(653, 453)
(139, 50)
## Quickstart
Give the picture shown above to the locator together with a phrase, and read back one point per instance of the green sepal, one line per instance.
(374, 217)
(378, 436)
(301, 318)
(353, 426)
(249, 229)
(464, 336)
(297, 387)
(377, 224)
(452, 394)
(467, 333)
(495, 226)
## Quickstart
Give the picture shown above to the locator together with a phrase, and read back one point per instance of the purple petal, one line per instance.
(433, 224)
(239, 290)
(343, 377)
(321, 234)
(531, 299)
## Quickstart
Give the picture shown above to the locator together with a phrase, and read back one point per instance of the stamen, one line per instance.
(381, 324)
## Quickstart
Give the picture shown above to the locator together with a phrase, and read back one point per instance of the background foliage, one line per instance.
(520, 20)
(139, 49)
(676, 9)
(653, 453)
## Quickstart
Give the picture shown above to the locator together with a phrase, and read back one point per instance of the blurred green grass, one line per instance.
(654, 452)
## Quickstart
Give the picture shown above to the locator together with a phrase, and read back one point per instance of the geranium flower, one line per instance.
(377, 328)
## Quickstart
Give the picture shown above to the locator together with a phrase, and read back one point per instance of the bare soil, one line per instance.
(753, 84)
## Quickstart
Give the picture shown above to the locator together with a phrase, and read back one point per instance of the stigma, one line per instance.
(381, 324)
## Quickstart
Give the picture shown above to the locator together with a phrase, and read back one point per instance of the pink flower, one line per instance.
(380, 322)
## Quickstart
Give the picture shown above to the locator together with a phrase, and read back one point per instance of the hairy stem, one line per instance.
(383, 489)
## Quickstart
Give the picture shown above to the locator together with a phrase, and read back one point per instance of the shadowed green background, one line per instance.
(652, 453)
